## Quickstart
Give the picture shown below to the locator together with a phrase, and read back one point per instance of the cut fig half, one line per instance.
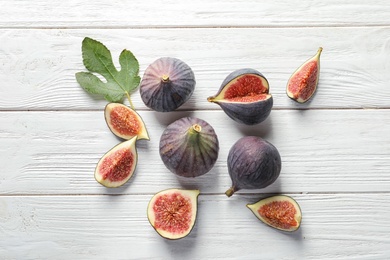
(303, 82)
(172, 213)
(244, 96)
(124, 122)
(117, 166)
(281, 212)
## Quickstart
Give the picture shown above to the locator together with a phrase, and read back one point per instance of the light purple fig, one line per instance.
(189, 147)
(167, 84)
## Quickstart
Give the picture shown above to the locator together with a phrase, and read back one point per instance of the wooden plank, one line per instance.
(100, 13)
(352, 226)
(335, 149)
(322, 151)
(37, 66)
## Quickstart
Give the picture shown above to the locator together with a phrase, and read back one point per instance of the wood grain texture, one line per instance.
(37, 67)
(149, 13)
(335, 149)
(116, 227)
(321, 150)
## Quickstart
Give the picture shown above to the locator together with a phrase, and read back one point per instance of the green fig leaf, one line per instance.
(97, 59)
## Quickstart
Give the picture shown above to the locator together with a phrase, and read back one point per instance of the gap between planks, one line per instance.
(192, 110)
(142, 27)
(203, 194)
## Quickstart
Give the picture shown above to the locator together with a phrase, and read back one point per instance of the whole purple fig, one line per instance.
(167, 84)
(253, 163)
(189, 147)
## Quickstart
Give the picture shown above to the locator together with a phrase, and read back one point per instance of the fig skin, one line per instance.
(252, 114)
(282, 214)
(302, 84)
(129, 122)
(189, 147)
(249, 112)
(253, 163)
(187, 205)
(167, 84)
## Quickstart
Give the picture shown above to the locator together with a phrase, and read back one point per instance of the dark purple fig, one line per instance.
(253, 163)
(172, 213)
(124, 122)
(189, 147)
(280, 212)
(244, 96)
(117, 166)
(303, 82)
(167, 84)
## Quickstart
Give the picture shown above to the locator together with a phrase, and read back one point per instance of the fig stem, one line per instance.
(165, 78)
(194, 133)
(210, 99)
(319, 51)
(230, 191)
(197, 128)
(128, 97)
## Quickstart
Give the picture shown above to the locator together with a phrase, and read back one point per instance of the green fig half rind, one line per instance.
(302, 84)
(117, 166)
(173, 212)
(125, 122)
(281, 212)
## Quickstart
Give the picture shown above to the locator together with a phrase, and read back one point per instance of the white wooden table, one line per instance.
(335, 149)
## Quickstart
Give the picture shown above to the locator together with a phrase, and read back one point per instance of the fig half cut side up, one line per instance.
(172, 213)
(117, 166)
(303, 82)
(125, 122)
(280, 212)
(244, 96)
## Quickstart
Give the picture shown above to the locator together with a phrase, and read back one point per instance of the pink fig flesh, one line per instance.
(124, 122)
(244, 96)
(303, 82)
(117, 166)
(172, 213)
(281, 212)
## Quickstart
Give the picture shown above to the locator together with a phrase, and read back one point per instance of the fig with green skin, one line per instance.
(303, 82)
(167, 84)
(280, 212)
(124, 122)
(172, 213)
(253, 163)
(244, 97)
(117, 166)
(189, 147)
